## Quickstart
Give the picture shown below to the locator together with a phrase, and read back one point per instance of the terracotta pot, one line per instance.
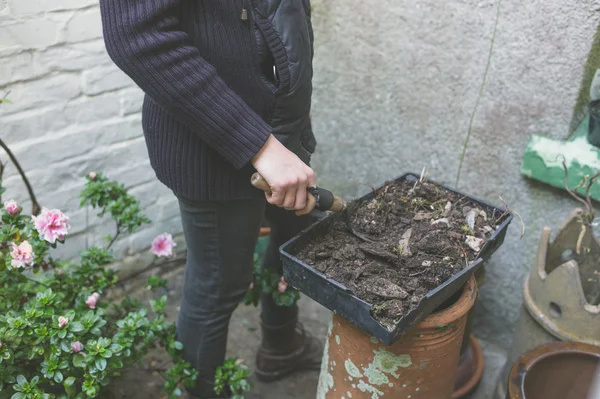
(559, 370)
(471, 362)
(420, 365)
(470, 369)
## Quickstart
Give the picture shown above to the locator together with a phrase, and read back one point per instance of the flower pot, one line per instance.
(471, 362)
(559, 370)
(554, 302)
(470, 369)
(422, 364)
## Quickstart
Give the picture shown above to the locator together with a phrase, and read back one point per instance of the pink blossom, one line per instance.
(92, 300)
(62, 321)
(22, 255)
(251, 286)
(93, 175)
(11, 207)
(76, 346)
(282, 286)
(51, 225)
(163, 245)
(59, 272)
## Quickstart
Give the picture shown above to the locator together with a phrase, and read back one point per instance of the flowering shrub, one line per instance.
(59, 338)
(269, 282)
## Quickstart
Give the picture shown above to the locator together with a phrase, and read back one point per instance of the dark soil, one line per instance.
(409, 239)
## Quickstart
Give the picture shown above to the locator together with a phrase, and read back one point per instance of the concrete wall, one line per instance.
(73, 112)
(397, 82)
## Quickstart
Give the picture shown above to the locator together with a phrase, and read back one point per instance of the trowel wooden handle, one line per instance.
(327, 200)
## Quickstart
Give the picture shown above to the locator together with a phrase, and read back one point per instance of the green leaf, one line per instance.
(58, 377)
(101, 364)
(18, 395)
(107, 354)
(62, 333)
(116, 348)
(65, 346)
(77, 327)
(21, 380)
(79, 360)
(69, 381)
(178, 345)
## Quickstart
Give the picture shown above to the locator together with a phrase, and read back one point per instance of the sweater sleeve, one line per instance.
(144, 39)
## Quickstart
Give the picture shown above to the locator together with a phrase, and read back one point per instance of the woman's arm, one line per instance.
(144, 39)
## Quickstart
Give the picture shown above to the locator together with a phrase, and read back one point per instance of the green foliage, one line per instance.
(267, 282)
(112, 197)
(232, 377)
(55, 341)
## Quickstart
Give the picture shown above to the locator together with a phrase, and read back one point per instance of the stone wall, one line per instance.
(74, 112)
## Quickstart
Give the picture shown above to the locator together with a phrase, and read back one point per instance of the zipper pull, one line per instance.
(244, 16)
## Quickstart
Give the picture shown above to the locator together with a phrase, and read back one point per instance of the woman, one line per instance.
(228, 92)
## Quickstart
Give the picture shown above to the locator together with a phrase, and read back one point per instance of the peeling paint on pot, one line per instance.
(352, 370)
(326, 381)
(337, 339)
(421, 364)
(389, 363)
(364, 387)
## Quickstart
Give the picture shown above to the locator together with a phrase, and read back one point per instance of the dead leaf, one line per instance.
(470, 219)
(474, 243)
(403, 244)
(385, 288)
(447, 209)
(422, 216)
(442, 220)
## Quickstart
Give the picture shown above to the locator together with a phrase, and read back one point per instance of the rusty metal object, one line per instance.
(558, 370)
(420, 365)
(555, 304)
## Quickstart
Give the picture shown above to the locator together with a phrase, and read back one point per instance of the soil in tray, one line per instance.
(409, 239)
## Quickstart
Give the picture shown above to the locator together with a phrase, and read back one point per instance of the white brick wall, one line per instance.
(74, 112)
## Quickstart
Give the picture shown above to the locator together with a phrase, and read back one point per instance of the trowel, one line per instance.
(323, 200)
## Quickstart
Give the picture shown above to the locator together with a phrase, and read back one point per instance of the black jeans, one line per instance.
(221, 237)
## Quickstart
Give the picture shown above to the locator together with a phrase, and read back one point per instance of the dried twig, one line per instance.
(35, 205)
(508, 209)
(564, 164)
(417, 274)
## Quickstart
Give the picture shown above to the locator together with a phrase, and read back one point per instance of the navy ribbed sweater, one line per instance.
(207, 106)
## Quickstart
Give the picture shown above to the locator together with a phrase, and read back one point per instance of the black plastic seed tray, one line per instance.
(337, 298)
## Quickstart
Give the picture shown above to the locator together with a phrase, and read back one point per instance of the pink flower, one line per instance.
(11, 207)
(76, 346)
(22, 255)
(93, 175)
(51, 225)
(62, 321)
(92, 300)
(59, 272)
(163, 245)
(282, 286)
(251, 286)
